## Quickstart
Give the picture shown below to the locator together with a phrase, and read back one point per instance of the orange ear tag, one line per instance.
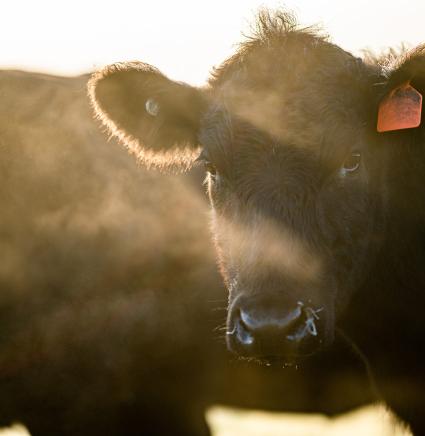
(401, 109)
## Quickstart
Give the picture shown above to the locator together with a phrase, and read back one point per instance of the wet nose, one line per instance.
(262, 330)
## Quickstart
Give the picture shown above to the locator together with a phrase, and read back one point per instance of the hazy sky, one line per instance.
(184, 38)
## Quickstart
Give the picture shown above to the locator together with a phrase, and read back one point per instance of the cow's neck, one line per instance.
(383, 309)
(404, 248)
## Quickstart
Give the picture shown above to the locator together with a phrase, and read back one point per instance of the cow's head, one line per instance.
(286, 129)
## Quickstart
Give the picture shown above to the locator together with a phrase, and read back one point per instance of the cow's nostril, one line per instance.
(248, 321)
(305, 325)
(242, 330)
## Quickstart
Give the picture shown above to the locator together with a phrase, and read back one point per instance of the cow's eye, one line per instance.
(208, 165)
(351, 164)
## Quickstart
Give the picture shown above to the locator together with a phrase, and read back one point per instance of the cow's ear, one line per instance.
(156, 118)
(401, 105)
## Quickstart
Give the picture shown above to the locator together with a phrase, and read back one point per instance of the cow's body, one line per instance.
(109, 291)
(100, 282)
(317, 217)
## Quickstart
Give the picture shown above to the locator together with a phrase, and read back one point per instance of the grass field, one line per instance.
(368, 421)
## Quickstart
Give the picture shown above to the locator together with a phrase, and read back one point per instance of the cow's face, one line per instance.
(286, 144)
(286, 131)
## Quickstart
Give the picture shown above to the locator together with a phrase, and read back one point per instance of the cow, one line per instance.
(314, 162)
(109, 293)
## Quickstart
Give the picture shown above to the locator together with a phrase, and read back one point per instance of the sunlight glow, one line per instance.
(184, 39)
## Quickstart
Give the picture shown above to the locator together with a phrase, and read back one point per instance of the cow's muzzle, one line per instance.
(274, 330)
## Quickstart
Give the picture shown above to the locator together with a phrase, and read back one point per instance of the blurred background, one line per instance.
(185, 39)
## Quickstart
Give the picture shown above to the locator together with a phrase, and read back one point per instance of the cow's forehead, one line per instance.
(299, 91)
